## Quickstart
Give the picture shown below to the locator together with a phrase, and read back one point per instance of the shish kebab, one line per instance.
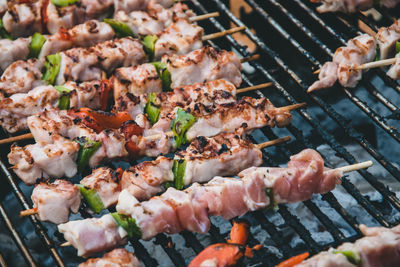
(63, 142)
(85, 64)
(204, 158)
(351, 6)
(379, 247)
(24, 19)
(364, 48)
(190, 209)
(203, 65)
(88, 34)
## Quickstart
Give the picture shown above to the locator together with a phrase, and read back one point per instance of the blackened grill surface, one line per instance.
(344, 125)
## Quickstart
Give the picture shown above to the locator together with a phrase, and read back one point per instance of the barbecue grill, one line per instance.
(345, 125)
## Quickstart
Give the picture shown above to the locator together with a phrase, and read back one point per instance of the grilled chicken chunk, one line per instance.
(387, 38)
(140, 79)
(55, 160)
(118, 257)
(106, 183)
(179, 38)
(21, 76)
(357, 51)
(394, 71)
(13, 50)
(203, 65)
(93, 235)
(380, 247)
(54, 201)
(351, 6)
(24, 19)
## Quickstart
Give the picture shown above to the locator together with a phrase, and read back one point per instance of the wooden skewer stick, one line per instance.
(223, 33)
(66, 244)
(16, 138)
(25, 213)
(255, 87)
(317, 71)
(376, 64)
(273, 142)
(250, 58)
(355, 167)
(204, 16)
(292, 107)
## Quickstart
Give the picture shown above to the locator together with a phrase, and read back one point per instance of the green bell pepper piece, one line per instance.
(36, 45)
(129, 225)
(52, 68)
(121, 29)
(64, 101)
(180, 125)
(63, 3)
(397, 47)
(152, 109)
(92, 198)
(178, 170)
(3, 33)
(164, 74)
(351, 256)
(149, 43)
(87, 148)
(270, 193)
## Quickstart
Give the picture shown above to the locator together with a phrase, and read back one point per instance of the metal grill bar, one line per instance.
(38, 226)
(21, 245)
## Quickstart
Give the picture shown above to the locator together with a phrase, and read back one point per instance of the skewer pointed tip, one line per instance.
(317, 71)
(293, 107)
(356, 167)
(253, 88)
(66, 244)
(250, 58)
(204, 16)
(28, 212)
(273, 142)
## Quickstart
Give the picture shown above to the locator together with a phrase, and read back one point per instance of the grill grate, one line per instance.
(293, 40)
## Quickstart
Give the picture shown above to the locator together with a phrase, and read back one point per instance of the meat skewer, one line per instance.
(360, 51)
(379, 247)
(16, 109)
(227, 153)
(190, 209)
(117, 257)
(33, 161)
(351, 6)
(94, 61)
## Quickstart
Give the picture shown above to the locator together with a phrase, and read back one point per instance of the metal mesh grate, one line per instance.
(344, 125)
